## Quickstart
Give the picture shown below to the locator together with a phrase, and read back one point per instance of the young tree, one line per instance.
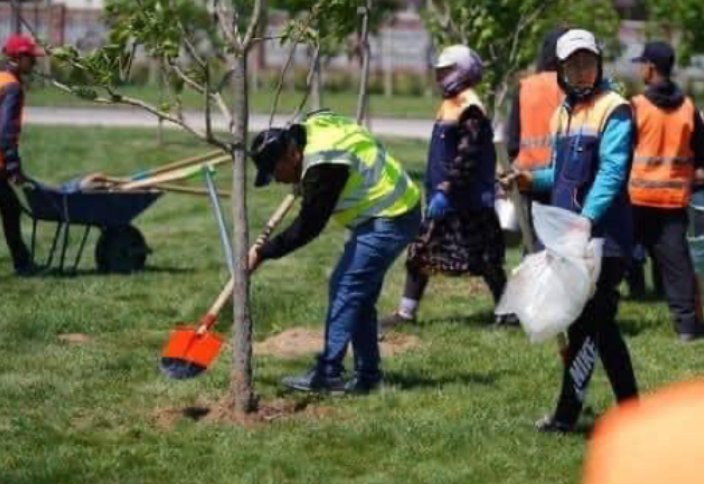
(508, 34)
(203, 46)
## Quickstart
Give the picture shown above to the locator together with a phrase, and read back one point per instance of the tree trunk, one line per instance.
(241, 392)
(316, 87)
(364, 78)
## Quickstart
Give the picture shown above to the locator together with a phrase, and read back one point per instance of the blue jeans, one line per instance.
(354, 290)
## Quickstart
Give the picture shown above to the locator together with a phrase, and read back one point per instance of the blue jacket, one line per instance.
(462, 153)
(592, 154)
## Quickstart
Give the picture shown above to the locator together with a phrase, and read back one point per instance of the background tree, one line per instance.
(680, 20)
(508, 34)
(326, 37)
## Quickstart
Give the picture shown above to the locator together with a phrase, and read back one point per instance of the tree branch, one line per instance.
(229, 33)
(364, 78)
(253, 24)
(284, 69)
(309, 82)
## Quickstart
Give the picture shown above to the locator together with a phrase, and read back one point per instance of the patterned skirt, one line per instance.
(460, 243)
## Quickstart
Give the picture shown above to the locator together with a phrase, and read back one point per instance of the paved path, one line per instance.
(128, 117)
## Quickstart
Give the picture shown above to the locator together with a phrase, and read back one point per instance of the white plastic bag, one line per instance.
(507, 215)
(549, 289)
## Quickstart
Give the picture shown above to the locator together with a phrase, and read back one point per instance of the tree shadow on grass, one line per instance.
(481, 319)
(68, 274)
(633, 327)
(410, 380)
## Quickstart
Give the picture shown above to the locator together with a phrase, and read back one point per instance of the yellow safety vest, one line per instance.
(377, 186)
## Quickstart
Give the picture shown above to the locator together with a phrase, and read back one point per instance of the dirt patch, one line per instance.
(221, 412)
(75, 338)
(297, 342)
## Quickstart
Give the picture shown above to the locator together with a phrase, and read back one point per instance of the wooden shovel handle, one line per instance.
(172, 175)
(209, 318)
(191, 160)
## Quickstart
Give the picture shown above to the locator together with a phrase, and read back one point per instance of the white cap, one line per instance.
(574, 40)
(455, 55)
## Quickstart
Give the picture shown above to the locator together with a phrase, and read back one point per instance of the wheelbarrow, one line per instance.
(121, 247)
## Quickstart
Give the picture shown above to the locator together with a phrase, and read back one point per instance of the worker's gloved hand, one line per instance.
(439, 206)
(522, 178)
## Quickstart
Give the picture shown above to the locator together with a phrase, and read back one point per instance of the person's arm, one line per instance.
(322, 186)
(513, 129)
(615, 154)
(10, 119)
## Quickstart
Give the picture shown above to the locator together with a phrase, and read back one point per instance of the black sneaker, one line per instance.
(315, 382)
(690, 337)
(548, 424)
(507, 321)
(362, 386)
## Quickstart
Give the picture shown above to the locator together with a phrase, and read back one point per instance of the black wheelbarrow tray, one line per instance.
(121, 247)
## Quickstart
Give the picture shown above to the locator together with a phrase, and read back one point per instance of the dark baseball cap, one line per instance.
(267, 149)
(660, 54)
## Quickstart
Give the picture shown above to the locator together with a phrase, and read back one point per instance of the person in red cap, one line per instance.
(20, 53)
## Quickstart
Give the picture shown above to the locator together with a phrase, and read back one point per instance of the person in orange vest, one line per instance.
(21, 53)
(669, 150)
(539, 96)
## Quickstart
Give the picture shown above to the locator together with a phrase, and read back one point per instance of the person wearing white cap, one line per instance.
(591, 157)
(460, 233)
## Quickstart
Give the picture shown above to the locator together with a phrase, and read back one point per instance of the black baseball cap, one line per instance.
(660, 54)
(267, 149)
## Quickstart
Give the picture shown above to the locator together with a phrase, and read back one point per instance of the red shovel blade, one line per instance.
(188, 354)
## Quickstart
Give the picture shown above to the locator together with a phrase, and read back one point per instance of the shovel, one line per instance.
(189, 351)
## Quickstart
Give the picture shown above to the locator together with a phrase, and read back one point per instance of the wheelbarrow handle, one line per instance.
(208, 320)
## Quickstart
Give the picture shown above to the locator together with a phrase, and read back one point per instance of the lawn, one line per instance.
(457, 408)
(400, 106)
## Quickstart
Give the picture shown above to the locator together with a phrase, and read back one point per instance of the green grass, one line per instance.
(402, 106)
(459, 408)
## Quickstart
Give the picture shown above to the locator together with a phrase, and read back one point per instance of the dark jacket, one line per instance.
(11, 104)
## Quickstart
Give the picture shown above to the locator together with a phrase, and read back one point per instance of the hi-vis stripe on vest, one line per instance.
(377, 186)
(539, 97)
(587, 119)
(451, 109)
(663, 165)
(6, 78)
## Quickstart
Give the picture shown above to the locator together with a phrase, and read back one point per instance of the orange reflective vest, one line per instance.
(6, 79)
(663, 162)
(539, 97)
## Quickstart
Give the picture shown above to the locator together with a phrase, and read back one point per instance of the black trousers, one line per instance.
(595, 334)
(10, 212)
(663, 232)
(416, 282)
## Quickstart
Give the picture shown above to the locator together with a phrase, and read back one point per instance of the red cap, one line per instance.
(17, 45)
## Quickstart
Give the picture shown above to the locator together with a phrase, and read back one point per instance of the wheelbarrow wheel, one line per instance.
(121, 250)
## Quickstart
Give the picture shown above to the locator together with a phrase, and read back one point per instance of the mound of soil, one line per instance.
(299, 341)
(74, 338)
(220, 412)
